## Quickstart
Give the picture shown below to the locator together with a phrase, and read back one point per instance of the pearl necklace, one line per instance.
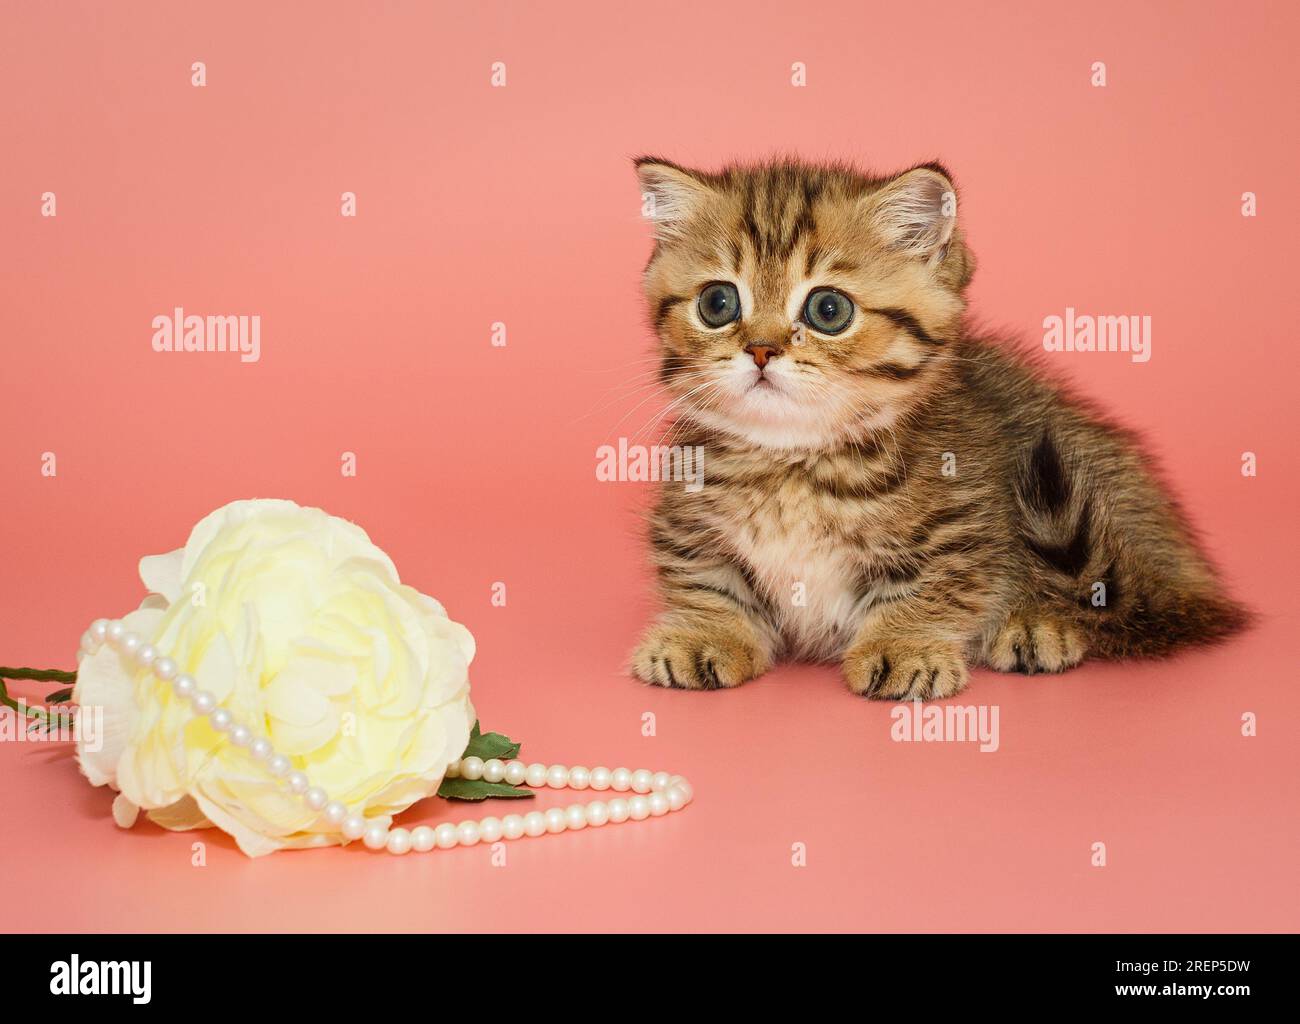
(655, 793)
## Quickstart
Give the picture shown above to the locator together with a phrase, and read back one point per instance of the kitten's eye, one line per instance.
(719, 304)
(828, 311)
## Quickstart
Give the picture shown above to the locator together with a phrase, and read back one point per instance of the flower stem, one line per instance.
(40, 675)
(25, 709)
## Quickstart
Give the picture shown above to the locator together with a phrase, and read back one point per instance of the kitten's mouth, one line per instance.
(765, 399)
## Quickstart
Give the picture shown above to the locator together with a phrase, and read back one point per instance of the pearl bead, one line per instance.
(620, 779)
(354, 826)
(422, 839)
(315, 798)
(130, 643)
(115, 633)
(376, 836)
(399, 841)
(241, 736)
(445, 836)
(688, 791)
(597, 813)
(184, 686)
(575, 817)
(204, 703)
(471, 768)
(297, 782)
(556, 820)
(335, 812)
(512, 826)
(146, 655)
(165, 669)
(534, 823)
(99, 629)
(642, 780)
(261, 749)
(579, 777)
(453, 770)
(516, 772)
(658, 804)
(221, 719)
(557, 776)
(278, 765)
(618, 810)
(493, 771)
(638, 808)
(467, 833)
(490, 829)
(536, 775)
(661, 781)
(600, 778)
(676, 799)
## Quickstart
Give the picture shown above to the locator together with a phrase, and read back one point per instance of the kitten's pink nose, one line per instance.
(761, 353)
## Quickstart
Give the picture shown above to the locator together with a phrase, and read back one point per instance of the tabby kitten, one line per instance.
(881, 486)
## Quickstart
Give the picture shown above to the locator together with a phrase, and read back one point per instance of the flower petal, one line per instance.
(124, 812)
(181, 816)
(253, 843)
(302, 719)
(217, 671)
(162, 574)
(105, 693)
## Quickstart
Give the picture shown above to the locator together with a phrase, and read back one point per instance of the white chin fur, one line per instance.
(775, 434)
(787, 415)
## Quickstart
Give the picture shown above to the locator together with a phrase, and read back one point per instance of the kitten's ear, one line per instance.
(916, 213)
(670, 195)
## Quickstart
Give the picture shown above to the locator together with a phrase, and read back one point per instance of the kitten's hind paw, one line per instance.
(685, 656)
(1032, 644)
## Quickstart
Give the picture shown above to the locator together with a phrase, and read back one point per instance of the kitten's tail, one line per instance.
(1141, 583)
(1146, 627)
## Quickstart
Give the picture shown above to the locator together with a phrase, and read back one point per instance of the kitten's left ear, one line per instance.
(916, 213)
(670, 195)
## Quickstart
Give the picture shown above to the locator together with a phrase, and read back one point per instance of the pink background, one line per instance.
(476, 464)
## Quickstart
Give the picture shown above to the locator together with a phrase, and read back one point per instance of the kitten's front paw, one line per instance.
(1033, 644)
(894, 670)
(685, 656)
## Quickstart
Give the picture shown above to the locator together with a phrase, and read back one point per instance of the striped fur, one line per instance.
(905, 497)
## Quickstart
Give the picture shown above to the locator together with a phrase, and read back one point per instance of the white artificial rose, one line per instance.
(298, 625)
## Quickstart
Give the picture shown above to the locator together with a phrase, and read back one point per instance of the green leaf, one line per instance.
(485, 745)
(59, 696)
(492, 744)
(489, 745)
(464, 789)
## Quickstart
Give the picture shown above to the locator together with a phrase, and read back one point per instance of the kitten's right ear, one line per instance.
(916, 213)
(670, 195)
